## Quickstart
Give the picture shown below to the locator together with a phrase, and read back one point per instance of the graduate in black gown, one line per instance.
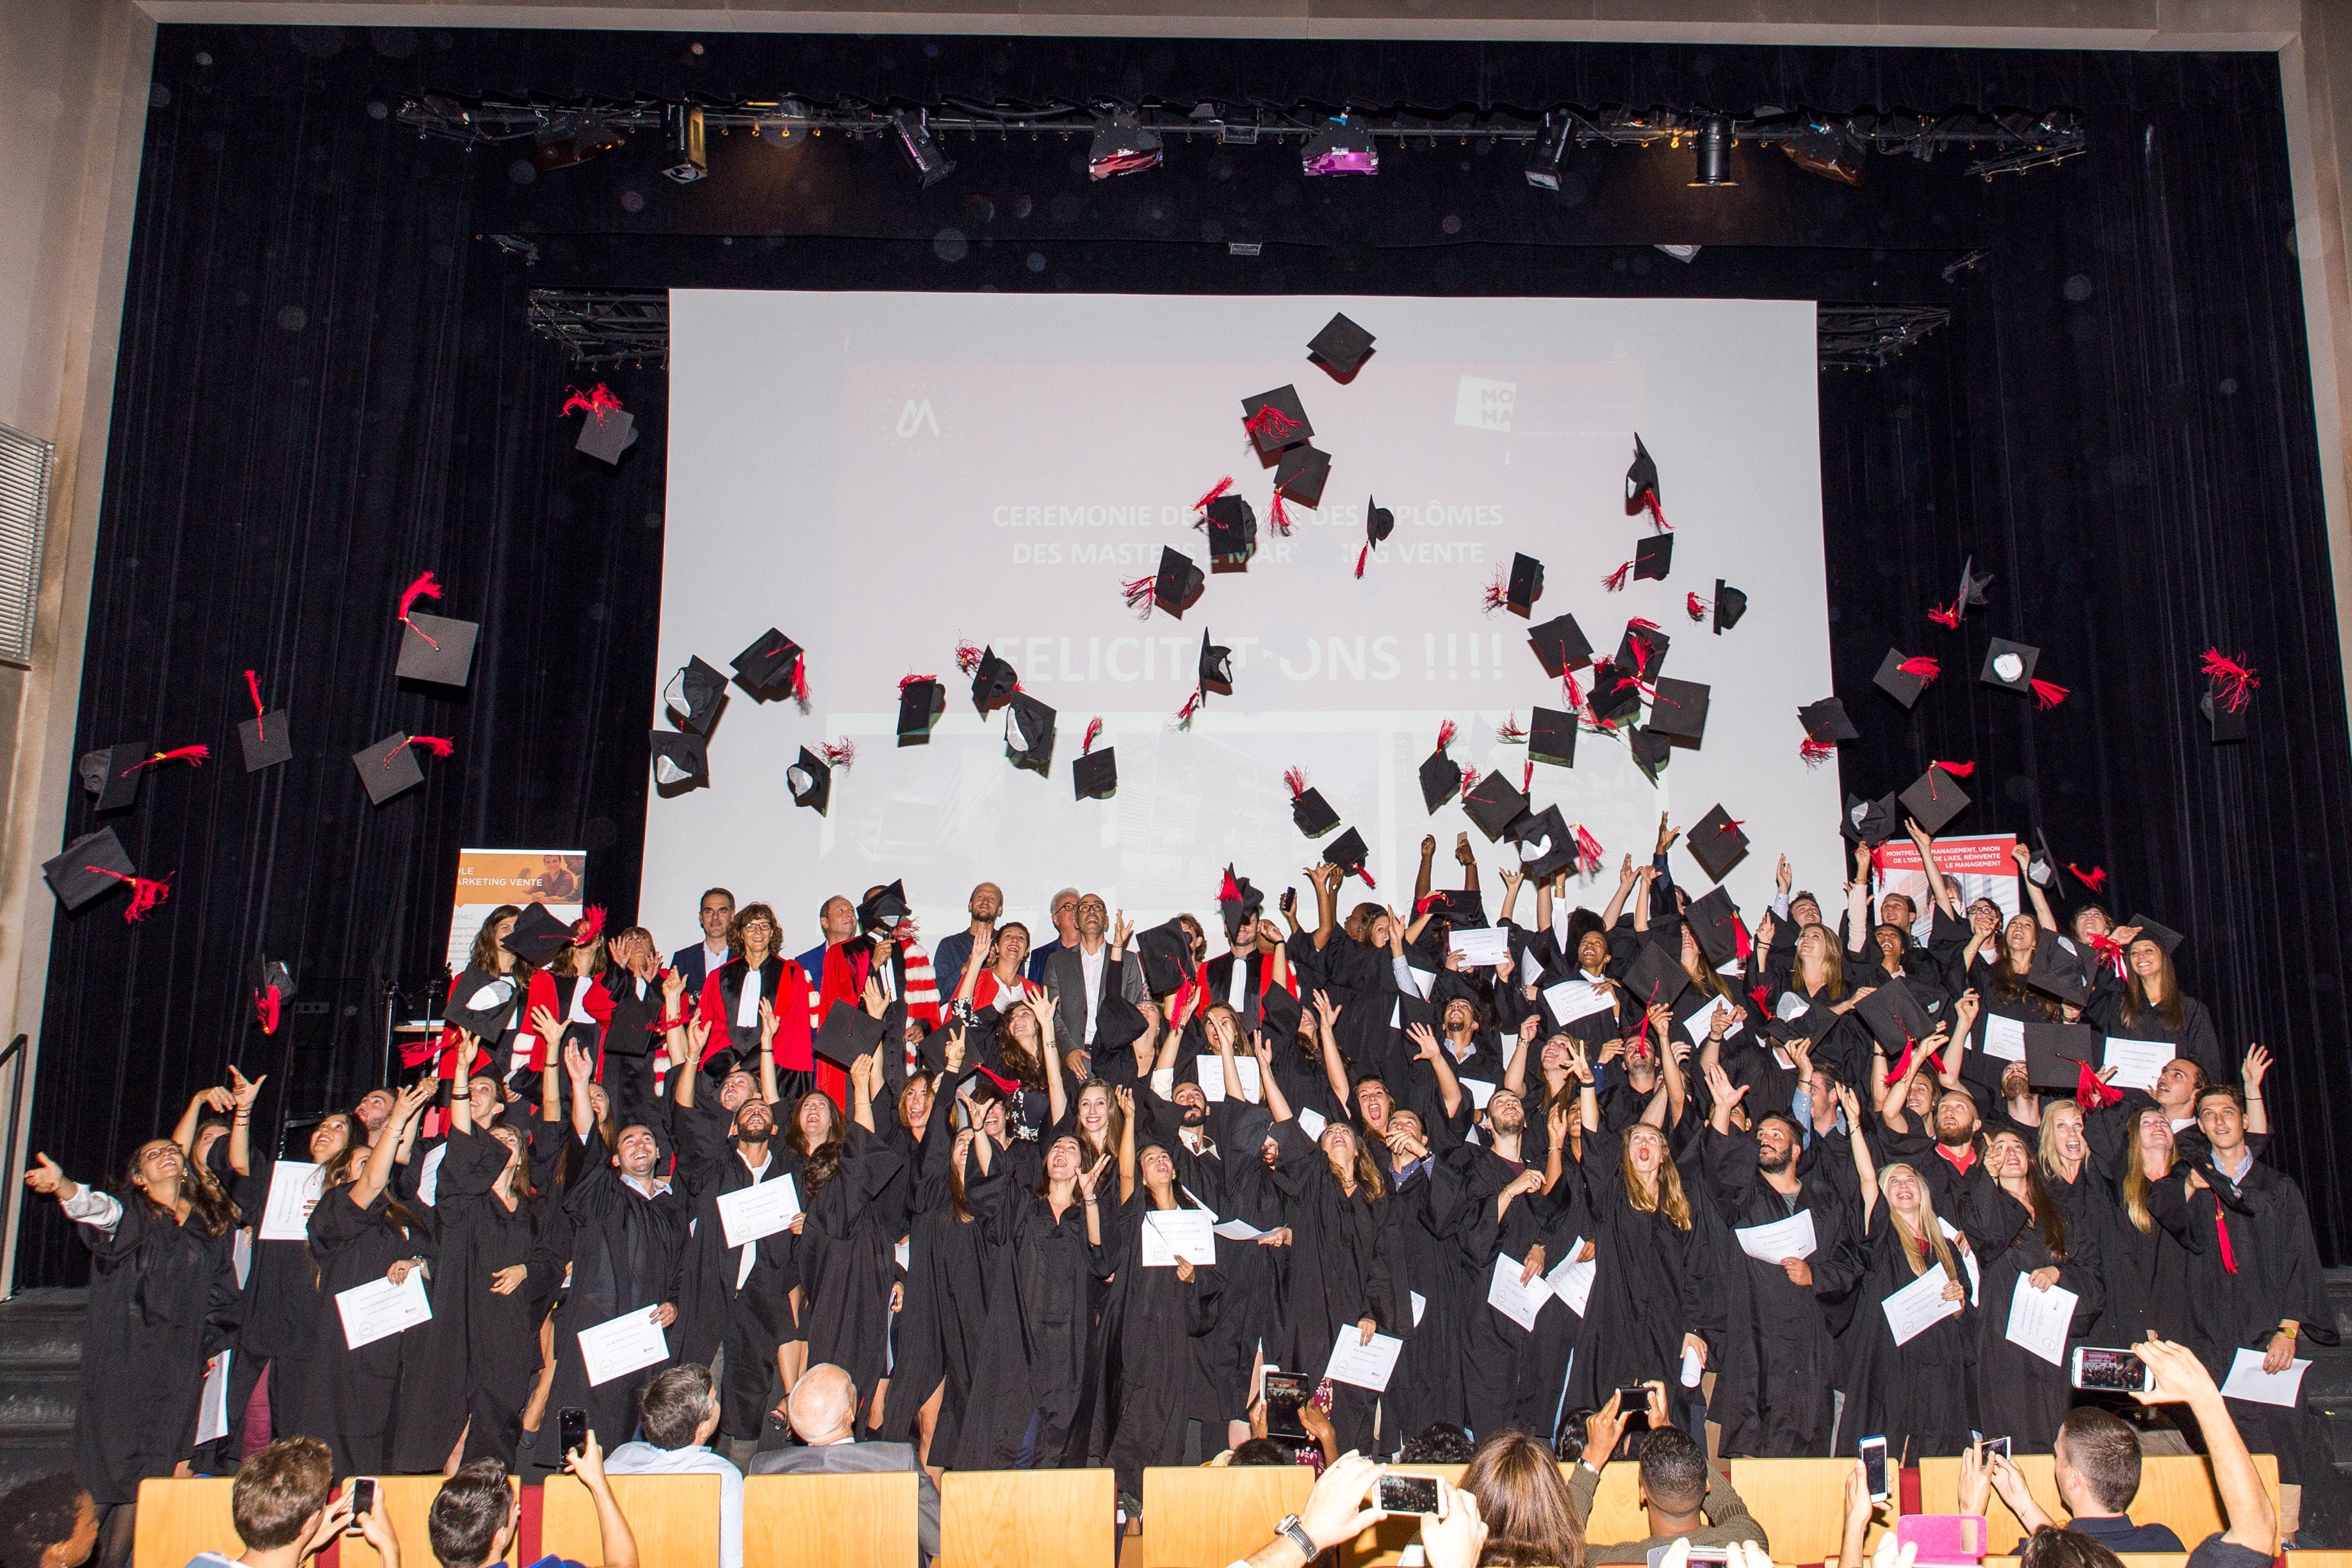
(2148, 1006)
(848, 1248)
(1337, 1207)
(2147, 1266)
(628, 1248)
(2021, 1395)
(280, 1297)
(163, 1301)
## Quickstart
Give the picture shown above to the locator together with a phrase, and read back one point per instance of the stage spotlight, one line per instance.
(1340, 149)
(569, 140)
(915, 135)
(1713, 142)
(1551, 153)
(1826, 150)
(1123, 145)
(682, 157)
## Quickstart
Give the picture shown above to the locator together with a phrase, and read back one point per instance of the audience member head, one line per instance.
(50, 1522)
(1569, 1446)
(823, 1405)
(1530, 1517)
(487, 954)
(677, 1408)
(836, 918)
(1063, 911)
(2052, 1547)
(1261, 1451)
(2095, 1462)
(1674, 1477)
(1439, 1443)
(473, 1518)
(282, 1492)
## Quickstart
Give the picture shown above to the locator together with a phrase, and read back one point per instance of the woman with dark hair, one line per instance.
(2149, 1006)
(732, 995)
(1997, 967)
(2020, 1392)
(354, 1400)
(162, 1301)
(1524, 1504)
(813, 1144)
(489, 957)
(847, 1252)
(1016, 1059)
(277, 1317)
(1337, 1196)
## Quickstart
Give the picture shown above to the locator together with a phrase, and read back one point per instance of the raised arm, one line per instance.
(864, 1073)
(244, 1091)
(1057, 1093)
(461, 1099)
(1275, 1100)
(184, 1132)
(1325, 877)
(1865, 1174)
(2182, 1378)
(1939, 887)
(2251, 1073)
(576, 1067)
(1515, 1077)
(1427, 1048)
(1335, 1070)
(1857, 902)
(1126, 1149)
(406, 1107)
(1626, 877)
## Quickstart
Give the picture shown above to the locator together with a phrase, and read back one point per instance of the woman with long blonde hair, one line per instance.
(2146, 1267)
(1337, 1197)
(2023, 1394)
(1916, 1394)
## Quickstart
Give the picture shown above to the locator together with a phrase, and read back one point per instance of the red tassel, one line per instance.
(425, 587)
(1527, 776)
(193, 756)
(433, 743)
(2108, 949)
(1220, 488)
(259, 714)
(1191, 705)
(841, 753)
(1650, 503)
(1367, 876)
(1616, 580)
(1296, 779)
(1093, 731)
(598, 402)
(265, 1009)
(1270, 421)
(968, 657)
(1497, 592)
(1361, 556)
(1469, 777)
(799, 680)
(1945, 615)
(2096, 879)
(588, 926)
(907, 681)
(1639, 624)
(1428, 902)
(1588, 848)
(1902, 1065)
(1446, 734)
(1742, 944)
(1695, 605)
(1958, 770)
(1278, 517)
(2233, 682)
(1926, 668)
(1573, 693)
(145, 892)
(1762, 996)
(1731, 825)
(2221, 1233)
(1509, 732)
(1138, 595)
(1816, 753)
(1228, 892)
(2090, 1093)
(2047, 695)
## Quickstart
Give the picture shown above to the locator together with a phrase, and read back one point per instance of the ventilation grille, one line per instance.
(25, 465)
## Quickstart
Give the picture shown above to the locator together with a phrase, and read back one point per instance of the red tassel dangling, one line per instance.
(1276, 516)
(1446, 734)
(1191, 706)
(1945, 615)
(2233, 682)
(1469, 777)
(968, 657)
(1270, 421)
(1497, 593)
(588, 926)
(1616, 580)
(1296, 779)
(1527, 776)
(1588, 850)
(907, 681)
(1762, 996)
(1509, 732)
(260, 712)
(2096, 879)
(1958, 770)
(2091, 1092)
(1920, 665)
(1695, 605)
(1229, 891)
(425, 587)
(596, 403)
(2222, 1233)
(799, 680)
(1361, 556)
(1094, 733)
(193, 756)
(1138, 595)
(145, 892)
(1220, 488)
(1816, 753)
(1650, 504)
(433, 743)
(266, 1009)
(2048, 695)
(841, 753)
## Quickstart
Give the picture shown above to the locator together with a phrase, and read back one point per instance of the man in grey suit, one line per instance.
(823, 1405)
(1073, 975)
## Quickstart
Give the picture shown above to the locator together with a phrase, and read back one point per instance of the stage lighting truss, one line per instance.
(1346, 137)
(1868, 337)
(603, 326)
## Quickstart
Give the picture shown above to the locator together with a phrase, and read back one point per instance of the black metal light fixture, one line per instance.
(1713, 142)
(914, 134)
(1123, 145)
(1551, 153)
(682, 156)
(1341, 148)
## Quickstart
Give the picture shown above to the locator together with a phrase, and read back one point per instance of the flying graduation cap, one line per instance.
(1095, 775)
(1174, 587)
(435, 649)
(389, 767)
(1971, 595)
(695, 695)
(1379, 524)
(1029, 733)
(1560, 645)
(921, 700)
(1716, 844)
(608, 431)
(1653, 558)
(1215, 673)
(272, 981)
(93, 866)
(2229, 686)
(772, 666)
(1231, 523)
(1825, 725)
(1650, 748)
(681, 758)
(1725, 610)
(810, 781)
(1440, 776)
(993, 680)
(1275, 420)
(1642, 485)
(264, 738)
(1300, 477)
(1520, 590)
(1934, 799)
(1348, 853)
(1310, 811)
(1342, 346)
(1904, 678)
(1494, 803)
(1868, 822)
(1237, 902)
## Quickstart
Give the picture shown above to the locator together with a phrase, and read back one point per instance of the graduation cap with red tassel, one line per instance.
(264, 738)
(2096, 879)
(588, 926)
(1642, 485)
(145, 891)
(1310, 811)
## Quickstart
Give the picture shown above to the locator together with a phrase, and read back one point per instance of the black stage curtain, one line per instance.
(326, 387)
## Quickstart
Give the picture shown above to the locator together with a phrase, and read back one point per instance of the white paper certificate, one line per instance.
(1169, 1233)
(1572, 1281)
(1213, 1077)
(760, 1209)
(1366, 1366)
(1520, 1303)
(1481, 947)
(1697, 1024)
(2004, 1038)
(2136, 1062)
(212, 1411)
(1311, 1122)
(2247, 1380)
(619, 1346)
(1480, 1091)
(1239, 1230)
(1573, 999)
(379, 1308)
(2038, 1320)
(1918, 1306)
(1781, 1241)
(293, 1193)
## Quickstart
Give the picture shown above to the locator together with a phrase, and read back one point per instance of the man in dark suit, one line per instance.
(1074, 976)
(696, 961)
(821, 1407)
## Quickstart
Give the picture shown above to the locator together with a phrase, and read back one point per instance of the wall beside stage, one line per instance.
(326, 386)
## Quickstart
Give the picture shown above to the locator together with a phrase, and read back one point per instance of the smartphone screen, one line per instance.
(1284, 1392)
(1996, 1445)
(2113, 1371)
(362, 1501)
(1873, 1467)
(1408, 1494)
(1634, 1400)
(570, 1429)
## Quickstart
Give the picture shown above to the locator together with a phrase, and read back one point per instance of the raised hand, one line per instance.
(1782, 876)
(1326, 1013)
(875, 1002)
(697, 1036)
(45, 1179)
(546, 1024)
(768, 1023)
(1122, 930)
(673, 986)
(1424, 1043)
(1087, 1178)
(1126, 1100)
(1667, 833)
(576, 1065)
(2256, 1067)
(244, 1091)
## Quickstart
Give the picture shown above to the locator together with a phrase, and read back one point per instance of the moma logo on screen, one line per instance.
(1485, 405)
(916, 418)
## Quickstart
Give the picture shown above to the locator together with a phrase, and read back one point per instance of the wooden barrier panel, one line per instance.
(1800, 1503)
(2175, 1490)
(2314, 1559)
(408, 1506)
(991, 1518)
(1198, 1517)
(674, 1518)
(2129, 1559)
(179, 1519)
(854, 1521)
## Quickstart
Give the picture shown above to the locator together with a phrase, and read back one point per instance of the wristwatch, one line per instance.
(2292, 1330)
(1289, 1526)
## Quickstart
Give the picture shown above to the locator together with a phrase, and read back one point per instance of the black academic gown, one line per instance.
(751, 1320)
(1158, 1374)
(494, 1336)
(1646, 1291)
(359, 1401)
(1919, 1395)
(1335, 1238)
(1040, 1273)
(2023, 1397)
(1509, 1374)
(277, 1317)
(628, 1255)
(2194, 1037)
(162, 1301)
(848, 1261)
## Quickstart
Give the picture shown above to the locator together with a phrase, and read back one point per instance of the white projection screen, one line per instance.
(883, 474)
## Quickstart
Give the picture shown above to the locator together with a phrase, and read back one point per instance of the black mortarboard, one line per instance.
(1494, 803)
(993, 681)
(884, 909)
(1972, 586)
(919, 702)
(1283, 426)
(1095, 774)
(1216, 669)
(1246, 903)
(1177, 582)
(1526, 584)
(848, 1033)
(1379, 524)
(70, 877)
(1117, 1021)
(1233, 526)
(1870, 822)
(1279, 1011)
(1615, 691)
(1642, 478)
(538, 935)
(1341, 346)
(1826, 722)
(2008, 665)
(111, 774)
(2056, 1054)
(1302, 473)
(448, 664)
(1730, 603)
(1893, 1015)
(694, 694)
(1347, 852)
(1551, 737)
(1716, 925)
(482, 1004)
(1166, 952)
(1459, 908)
(268, 974)
(607, 436)
(1029, 733)
(1896, 681)
(1934, 799)
(1642, 650)
(1653, 557)
(769, 667)
(1716, 843)
(388, 768)
(1656, 976)
(2227, 725)
(1546, 843)
(265, 740)
(681, 757)
(2056, 973)
(1680, 710)
(2164, 936)
(810, 781)
(1650, 748)
(1560, 645)
(1440, 776)
(1308, 809)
